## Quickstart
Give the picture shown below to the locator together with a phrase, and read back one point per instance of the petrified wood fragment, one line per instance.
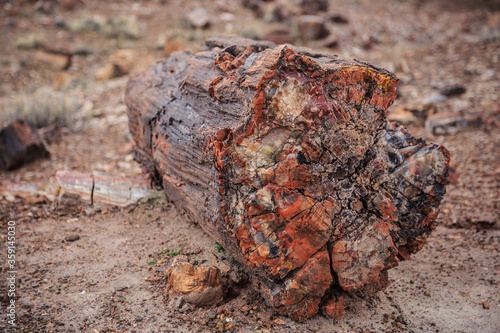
(20, 143)
(285, 157)
(196, 285)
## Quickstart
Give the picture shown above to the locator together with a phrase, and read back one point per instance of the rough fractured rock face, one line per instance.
(320, 191)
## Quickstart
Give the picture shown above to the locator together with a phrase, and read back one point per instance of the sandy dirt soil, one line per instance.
(112, 277)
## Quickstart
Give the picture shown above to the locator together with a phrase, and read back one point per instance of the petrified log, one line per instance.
(285, 157)
(20, 143)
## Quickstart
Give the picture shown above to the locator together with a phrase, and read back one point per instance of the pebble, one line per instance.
(311, 27)
(434, 99)
(338, 18)
(29, 42)
(330, 42)
(212, 314)
(198, 18)
(186, 308)
(10, 198)
(126, 26)
(89, 210)
(453, 91)
(486, 305)
(279, 321)
(52, 60)
(279, 35)
(171, 45)
(177, 302)
(72, 237)
(229, 326)
(313, 6)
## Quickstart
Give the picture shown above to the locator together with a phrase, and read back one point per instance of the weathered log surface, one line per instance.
(285, 157)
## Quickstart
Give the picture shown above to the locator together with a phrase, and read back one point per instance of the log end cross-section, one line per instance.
(286, 157)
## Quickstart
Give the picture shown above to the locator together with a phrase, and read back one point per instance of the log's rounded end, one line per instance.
(318, 190)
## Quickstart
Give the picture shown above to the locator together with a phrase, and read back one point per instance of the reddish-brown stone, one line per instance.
(20, 143)
(334, 307)
(285, 156)
(197, 285)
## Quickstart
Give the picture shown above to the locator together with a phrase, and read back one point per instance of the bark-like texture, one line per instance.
(286, 157)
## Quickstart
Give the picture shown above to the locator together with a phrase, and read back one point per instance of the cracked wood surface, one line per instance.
(285, 156)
